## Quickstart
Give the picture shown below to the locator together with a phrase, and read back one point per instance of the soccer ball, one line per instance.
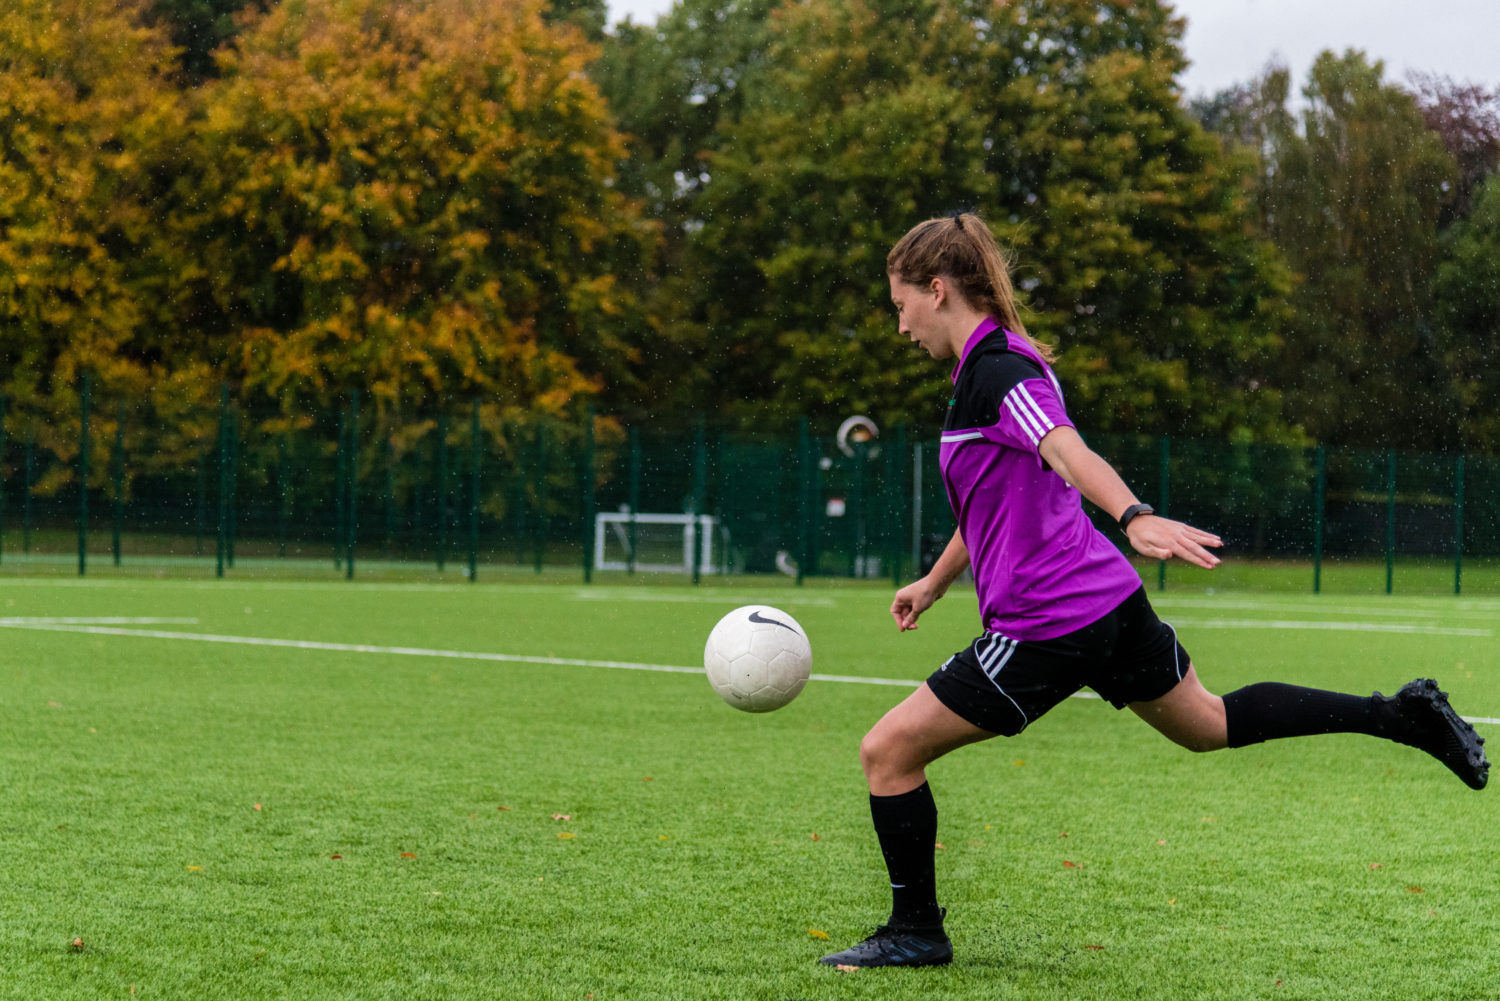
(757, 658)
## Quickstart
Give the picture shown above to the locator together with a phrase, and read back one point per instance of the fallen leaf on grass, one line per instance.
(562, 816)
(503, 809)
(257, 806)
(1071, 865)
(565, 835)
(336, 856)
(815, 837)
(1415, 889)
(1376, 865)
(940, 846)
(195, 868)
(1096, 948)
(818, 934)
(407, 855)
(644, 778)
(846, 968)
(1062, 834)
(77, 944)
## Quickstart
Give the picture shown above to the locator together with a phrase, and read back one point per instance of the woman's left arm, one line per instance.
(1151, 535)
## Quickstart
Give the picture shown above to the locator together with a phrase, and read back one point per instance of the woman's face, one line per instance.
(916, 315)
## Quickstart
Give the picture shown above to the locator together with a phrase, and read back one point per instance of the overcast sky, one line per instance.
(1229, 41)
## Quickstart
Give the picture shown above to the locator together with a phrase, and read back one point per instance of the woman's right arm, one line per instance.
(915, 598)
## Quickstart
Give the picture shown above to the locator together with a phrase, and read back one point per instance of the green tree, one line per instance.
(83, 93)
(413, 199)
(1352, 194)
(199, 27)
(1467, 292)
(1062, 125)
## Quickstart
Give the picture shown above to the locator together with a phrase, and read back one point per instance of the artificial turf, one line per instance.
(221, 820)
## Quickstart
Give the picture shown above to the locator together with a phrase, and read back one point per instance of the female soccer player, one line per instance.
(1061, 608)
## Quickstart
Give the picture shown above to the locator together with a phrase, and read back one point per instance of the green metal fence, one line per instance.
(468, 488)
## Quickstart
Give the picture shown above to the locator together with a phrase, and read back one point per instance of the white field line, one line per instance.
(410, 651)
(98, 620)
(1408, 628)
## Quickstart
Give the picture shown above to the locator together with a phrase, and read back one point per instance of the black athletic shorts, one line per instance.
(1001, 684)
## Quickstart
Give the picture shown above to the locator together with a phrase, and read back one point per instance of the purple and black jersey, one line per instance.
(1041, 568)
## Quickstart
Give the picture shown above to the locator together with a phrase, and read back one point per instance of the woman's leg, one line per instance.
(895, 755)
(1418, 715)
(919, 730)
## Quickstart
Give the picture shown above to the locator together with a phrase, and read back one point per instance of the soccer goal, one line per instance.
(654, 543)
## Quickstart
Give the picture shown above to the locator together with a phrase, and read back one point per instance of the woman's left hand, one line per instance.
(1162, 538)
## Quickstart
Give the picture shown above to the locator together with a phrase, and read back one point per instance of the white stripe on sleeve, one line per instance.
(1023, 418)
(1035, 408)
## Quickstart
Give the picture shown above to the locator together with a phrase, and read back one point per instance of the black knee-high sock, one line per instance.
(907, 828)
(1269, 710)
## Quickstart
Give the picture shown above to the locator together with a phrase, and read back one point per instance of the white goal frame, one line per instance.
(619, 522)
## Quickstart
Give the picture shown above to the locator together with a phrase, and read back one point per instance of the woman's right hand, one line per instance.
(912, 600)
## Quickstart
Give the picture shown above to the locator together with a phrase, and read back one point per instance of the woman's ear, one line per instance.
(939, 290)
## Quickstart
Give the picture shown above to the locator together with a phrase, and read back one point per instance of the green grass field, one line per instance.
(381, 817)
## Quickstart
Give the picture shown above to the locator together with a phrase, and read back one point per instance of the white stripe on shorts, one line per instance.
(999, 657)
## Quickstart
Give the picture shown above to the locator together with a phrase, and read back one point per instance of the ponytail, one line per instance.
(963, 249)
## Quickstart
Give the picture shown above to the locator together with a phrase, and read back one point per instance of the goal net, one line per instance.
(654, 543)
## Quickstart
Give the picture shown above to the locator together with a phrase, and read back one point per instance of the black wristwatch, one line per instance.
(1132, 511)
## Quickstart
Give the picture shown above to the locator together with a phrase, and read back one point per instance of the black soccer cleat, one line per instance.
(1426, 721)
(895, 947)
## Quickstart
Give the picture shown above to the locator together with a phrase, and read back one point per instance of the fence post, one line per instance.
(222, 527)
(916, 508)
(539, 492)
(1390, 519)
(804, 499)
(442, 491)
(351, 495)
(1165, 477)
(390, 494)
(2, 478)
(338, 490)
(1458, 526)
(119, 478)
(588, 493)
(700, 488)
(896, 509)
(475, 460)
(1319, 493)
(83, 471)
(230, 534)
(635, 496)
(283, 494)
(30, 464)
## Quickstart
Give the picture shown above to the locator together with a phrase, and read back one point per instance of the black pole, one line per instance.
(1458, 526)
(474, 467)
(804, 499)
(539, 508)
(233, 450)
(30, 463)
(201, 506)
(1320, 492)
(119, 478)
(588, 493)
(442, 491)
(700, 488)
(352, 494)
(390, 494)
(635, 495)
(222, 530)
(1390, 520)
(2, 478)
(83, 471)
(283, 495)
(339, 484)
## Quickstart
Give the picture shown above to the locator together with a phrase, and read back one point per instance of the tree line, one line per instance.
(428, 201)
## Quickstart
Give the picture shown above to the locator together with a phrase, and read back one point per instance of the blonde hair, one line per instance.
(963, 249)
